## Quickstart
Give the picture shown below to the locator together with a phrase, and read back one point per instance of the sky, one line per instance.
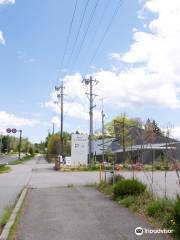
(135, 57)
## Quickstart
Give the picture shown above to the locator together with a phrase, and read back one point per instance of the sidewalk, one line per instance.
(77, 213)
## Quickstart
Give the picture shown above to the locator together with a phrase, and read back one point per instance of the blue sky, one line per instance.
(137, 65)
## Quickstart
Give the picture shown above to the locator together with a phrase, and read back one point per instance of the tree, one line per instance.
(53, 146)
(122, 129)
(31, 151)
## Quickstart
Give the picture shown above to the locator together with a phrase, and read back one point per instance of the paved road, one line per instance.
(13, 182)
(77, 213)
(37, 173)
(7, 159)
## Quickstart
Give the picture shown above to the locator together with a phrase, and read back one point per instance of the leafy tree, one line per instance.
(53, 146)
(31, 151)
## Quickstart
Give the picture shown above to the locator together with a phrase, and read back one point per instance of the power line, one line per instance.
(104, 12)
(69, 33)
(105, 33)
(85, 33)
(78, 32)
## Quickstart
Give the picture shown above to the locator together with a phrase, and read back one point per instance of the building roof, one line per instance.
(113, 145)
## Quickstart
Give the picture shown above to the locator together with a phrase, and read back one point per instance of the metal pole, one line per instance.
(91, 121)
(103, 149)
(20, 140)
(62, 94)
(53, 129)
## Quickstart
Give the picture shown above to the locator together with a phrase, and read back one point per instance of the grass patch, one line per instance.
(127, 201)
(70, 185)
(5, 217)
(14, 228)
(22, 160)
(4, 168)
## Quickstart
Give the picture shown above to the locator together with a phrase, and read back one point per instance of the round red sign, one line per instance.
(8, 130)
(14, 130)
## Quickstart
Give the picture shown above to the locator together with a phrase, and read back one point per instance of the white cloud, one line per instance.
(5, 2)
(10, 120)
(116, 56)
(76, 105)
(152, 76)
(56, 121)
(2, 39)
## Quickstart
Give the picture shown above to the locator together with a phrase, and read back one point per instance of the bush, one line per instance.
(176, 216)
(128, 187)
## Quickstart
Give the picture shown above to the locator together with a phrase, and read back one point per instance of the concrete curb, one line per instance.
(5, 233)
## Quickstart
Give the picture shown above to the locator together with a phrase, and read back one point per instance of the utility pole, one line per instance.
(102, 119)
(20, 140)
(123, 138)
(60, 96)
(91, 82)
(103, 135)
(53, 128)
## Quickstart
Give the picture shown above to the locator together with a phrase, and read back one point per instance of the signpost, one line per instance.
(14, 130)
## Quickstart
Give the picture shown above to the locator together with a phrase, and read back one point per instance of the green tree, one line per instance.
(53, 146)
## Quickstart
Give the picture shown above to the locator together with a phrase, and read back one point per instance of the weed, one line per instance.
(128, 187)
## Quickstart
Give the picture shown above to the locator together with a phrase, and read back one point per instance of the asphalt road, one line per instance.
(7, 159)
(77, 213)
(37, 173)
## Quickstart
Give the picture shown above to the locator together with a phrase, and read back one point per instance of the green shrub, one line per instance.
(157, 167)
(176, 216)
(127, 201)
(128, 187)
(155, 208)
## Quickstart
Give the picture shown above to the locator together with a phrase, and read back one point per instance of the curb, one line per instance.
(5, 233)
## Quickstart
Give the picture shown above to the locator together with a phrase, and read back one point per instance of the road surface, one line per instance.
(8, 159)
(77, 213)
(37, 173)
